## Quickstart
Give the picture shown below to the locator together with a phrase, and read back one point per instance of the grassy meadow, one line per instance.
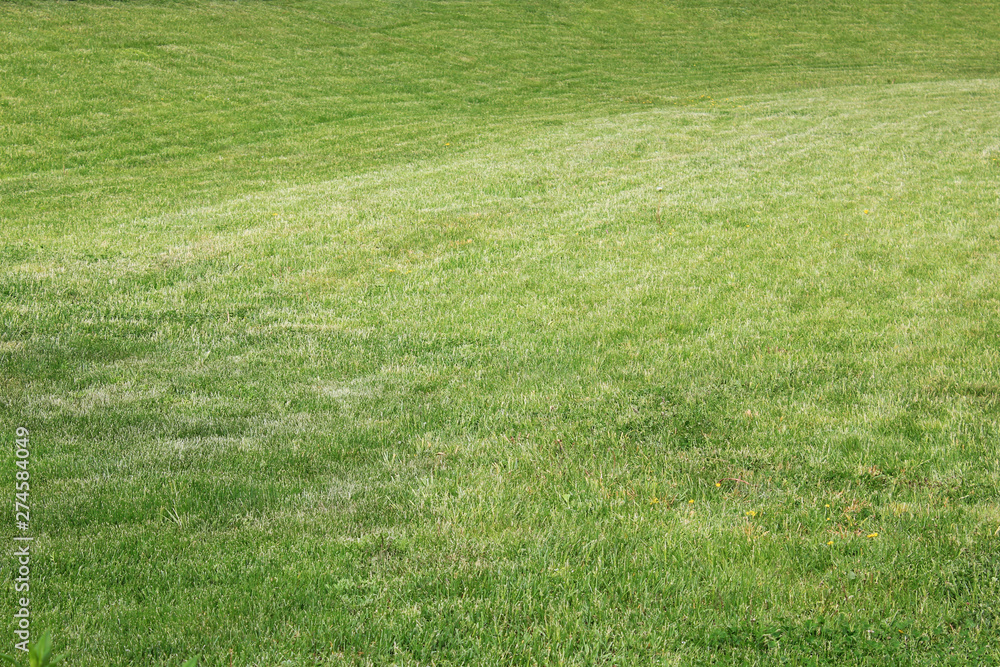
(541, 332)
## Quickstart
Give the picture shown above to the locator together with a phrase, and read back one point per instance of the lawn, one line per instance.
(503, 332)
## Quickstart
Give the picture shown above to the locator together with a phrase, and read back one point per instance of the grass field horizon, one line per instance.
(504, 332)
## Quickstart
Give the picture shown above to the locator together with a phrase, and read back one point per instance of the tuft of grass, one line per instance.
(39, 653)
(505, 332)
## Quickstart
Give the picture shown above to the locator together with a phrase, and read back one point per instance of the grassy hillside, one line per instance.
(504, 332)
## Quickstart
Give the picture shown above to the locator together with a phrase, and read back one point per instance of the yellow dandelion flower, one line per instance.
(871, 535)
(829, 543)
(690, 502)
(718, 483)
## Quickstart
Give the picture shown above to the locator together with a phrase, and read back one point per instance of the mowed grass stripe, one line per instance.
(228, 98)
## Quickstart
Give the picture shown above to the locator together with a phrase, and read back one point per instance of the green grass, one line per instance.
(505, 332)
